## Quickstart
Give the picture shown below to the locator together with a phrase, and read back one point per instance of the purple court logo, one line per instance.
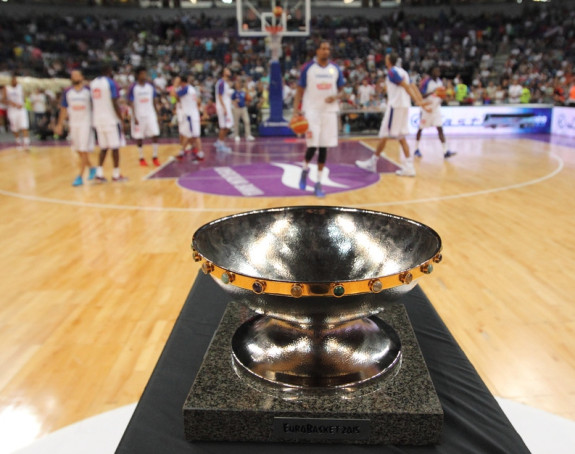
(275, 179)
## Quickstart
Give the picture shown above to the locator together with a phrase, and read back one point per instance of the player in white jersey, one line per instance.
(317, 97)
(76, 104)
(224, 109)
(142, 98)
(395, 124)
(190, 126)
(106, 118)
(17, 115)
(433, 118)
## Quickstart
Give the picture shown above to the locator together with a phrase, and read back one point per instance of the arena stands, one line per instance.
(481, 57)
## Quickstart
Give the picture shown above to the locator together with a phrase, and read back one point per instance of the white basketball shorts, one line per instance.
(225, 121)
(395, 123)
(322, 131)
(433, 118)
(110, 137)
(82, 138)
(18, 119)
(146, 128)
(190, 126)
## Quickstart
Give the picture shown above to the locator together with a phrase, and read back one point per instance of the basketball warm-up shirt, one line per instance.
(79, 105)
(320, 82)
(189, 101)
(397, 96)
(104, 90)
(142, 97)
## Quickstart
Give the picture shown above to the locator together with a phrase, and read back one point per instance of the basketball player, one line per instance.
(320, 86)
(17, 115)
(224, 109)
(189, 101)
(395, 120)
(76, 104)
(433, 118)
(142, 98)
(107, 119)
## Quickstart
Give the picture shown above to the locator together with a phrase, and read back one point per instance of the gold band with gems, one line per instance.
(299, 289)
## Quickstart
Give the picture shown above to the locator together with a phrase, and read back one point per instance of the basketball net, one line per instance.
(275, 40)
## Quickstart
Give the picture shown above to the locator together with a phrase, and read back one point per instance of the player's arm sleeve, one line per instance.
(64, 100)
(182, 91)
(113, 89)
(302, 82)
(340, 79)
(131, 93)
(394, 76)
(221, 88)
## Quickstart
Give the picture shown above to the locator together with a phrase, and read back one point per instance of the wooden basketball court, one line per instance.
(93, 278)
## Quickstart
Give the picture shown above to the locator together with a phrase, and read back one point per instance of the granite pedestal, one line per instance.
(401, 407)
(473, 424)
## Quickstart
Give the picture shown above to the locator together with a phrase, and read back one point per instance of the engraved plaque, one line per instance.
(320, 428)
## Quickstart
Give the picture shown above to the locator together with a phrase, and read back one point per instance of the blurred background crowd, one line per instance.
(488, 59)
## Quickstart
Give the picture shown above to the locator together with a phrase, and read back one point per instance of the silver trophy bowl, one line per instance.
(316, 276)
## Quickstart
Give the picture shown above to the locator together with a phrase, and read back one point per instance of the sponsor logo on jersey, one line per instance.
(324, 86)
(96, 93)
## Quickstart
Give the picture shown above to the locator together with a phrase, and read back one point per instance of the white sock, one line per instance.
(26, 142)
(417, 144)
(374, 157)
(319, 172)
(19, 141)
(155, 148)
(100, 172)
(116, 172)
(305, 166)
(141, 151)
(444, 144)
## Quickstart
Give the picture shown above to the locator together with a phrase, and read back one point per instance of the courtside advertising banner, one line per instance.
(563, 121)
(489, 120)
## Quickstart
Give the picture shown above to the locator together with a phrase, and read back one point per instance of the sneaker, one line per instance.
(143, 162)
(449, 154)
(100, 180)
(318, 191)
(156, 161)
(180, 155)
(78, 181)
(200, 155)
(369, 164)
(406, 171)
(92, 173)
(250, 138)
(417, 153)
(120, 179)
(237, 139)
(303, 179)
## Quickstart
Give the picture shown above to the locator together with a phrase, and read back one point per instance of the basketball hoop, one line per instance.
(274, 29)
(275, 34)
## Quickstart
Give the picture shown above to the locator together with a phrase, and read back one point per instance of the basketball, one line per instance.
(278, 10)
(440, 92)
(299, 124)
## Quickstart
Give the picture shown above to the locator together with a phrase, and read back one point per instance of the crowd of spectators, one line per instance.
(487, 59)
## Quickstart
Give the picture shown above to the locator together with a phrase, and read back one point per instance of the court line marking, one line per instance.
(33, 198)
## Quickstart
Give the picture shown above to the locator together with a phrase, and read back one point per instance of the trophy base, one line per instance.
(315, 358)
(227, 404)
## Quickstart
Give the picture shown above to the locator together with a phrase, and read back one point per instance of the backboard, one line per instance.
(255, 17)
